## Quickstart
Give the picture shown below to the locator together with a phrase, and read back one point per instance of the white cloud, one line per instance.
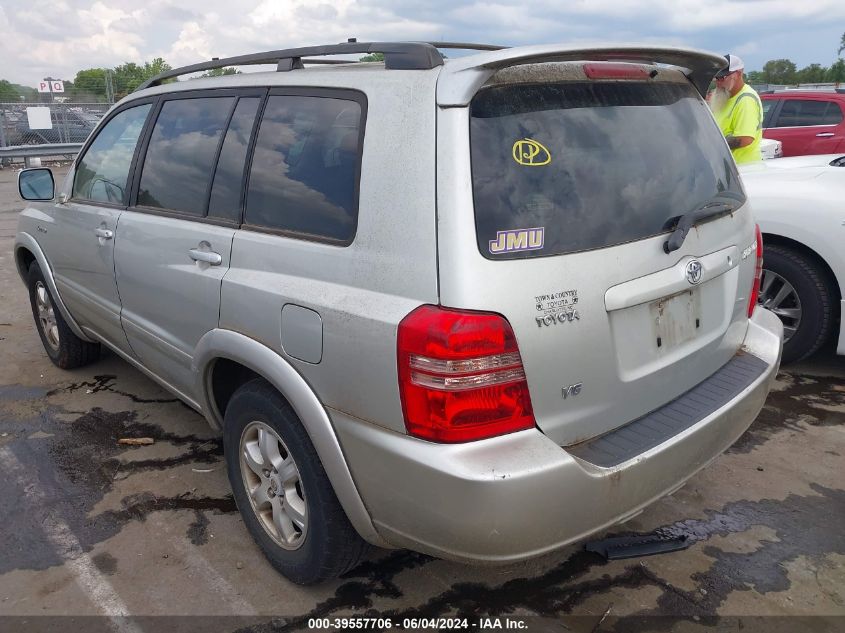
(57, 38)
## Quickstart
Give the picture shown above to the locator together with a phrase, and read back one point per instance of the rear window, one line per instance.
(565, 167)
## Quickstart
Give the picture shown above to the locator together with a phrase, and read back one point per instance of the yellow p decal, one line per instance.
(530, 153)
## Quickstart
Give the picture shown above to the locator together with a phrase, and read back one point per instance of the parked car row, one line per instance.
(69, 125)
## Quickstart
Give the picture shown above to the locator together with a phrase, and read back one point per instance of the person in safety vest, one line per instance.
(738, 112)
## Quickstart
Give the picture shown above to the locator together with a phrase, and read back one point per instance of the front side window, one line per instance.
(103, 171)
(180, 158)
(305, 168)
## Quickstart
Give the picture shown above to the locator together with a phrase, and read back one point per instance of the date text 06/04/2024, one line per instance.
(417, 624)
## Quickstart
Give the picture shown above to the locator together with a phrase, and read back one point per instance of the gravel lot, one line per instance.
(91, 528)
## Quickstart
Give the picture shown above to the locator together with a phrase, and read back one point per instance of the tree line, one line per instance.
(102, 84)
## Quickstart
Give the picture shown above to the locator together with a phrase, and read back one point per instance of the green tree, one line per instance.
(375, 57)
(8, 92)
(27, 92)
(755, 77)
(779, 71)
(90, 84)
(128, 76)
(836, 72)
(812, 74)
(220, 72)
(155, 67)
(841, 45)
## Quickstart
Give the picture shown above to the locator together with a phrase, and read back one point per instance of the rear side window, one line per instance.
(806, 112)
(180, 158)
(304, 176)
(565, 167)
(101, 174)
(225, 201)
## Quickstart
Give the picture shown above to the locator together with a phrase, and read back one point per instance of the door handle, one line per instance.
(824, 134)
(209, 257)
(105, 234)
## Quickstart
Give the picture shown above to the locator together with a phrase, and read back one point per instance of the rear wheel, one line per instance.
(282, 491)
(796, 290)
(64, 348)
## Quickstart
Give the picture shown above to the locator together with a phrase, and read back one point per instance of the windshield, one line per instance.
(573, 166)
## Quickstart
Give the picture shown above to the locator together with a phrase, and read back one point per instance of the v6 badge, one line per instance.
(571, 390)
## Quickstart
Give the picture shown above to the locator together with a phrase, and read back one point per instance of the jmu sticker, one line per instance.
(531, 153)
(518, 240)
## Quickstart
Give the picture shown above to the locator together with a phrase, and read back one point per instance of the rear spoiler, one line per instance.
(461, 78)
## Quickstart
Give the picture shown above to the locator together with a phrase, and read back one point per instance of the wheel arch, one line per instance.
(237, 356)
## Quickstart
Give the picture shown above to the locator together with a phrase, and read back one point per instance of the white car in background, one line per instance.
(771, 148)
(799, 203)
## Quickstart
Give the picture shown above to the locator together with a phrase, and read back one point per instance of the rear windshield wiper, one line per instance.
(708, 211)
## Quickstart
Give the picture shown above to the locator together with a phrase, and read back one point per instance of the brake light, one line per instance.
(606, 70)
(461, 376)
(758, 274)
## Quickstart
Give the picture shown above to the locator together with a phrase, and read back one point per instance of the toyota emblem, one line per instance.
(694, 271)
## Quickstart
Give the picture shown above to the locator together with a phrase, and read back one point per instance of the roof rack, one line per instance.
(397, 55)
(468, 47)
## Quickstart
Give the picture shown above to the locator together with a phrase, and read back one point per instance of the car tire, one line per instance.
(64, 348)
(810, 294)
(295, 493)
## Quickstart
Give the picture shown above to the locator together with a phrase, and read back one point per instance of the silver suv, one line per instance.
(480, 307)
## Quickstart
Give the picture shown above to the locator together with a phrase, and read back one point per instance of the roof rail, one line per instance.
(468, 47)
(397, 56)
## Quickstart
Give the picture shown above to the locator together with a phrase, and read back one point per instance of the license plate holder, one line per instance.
(676, 319)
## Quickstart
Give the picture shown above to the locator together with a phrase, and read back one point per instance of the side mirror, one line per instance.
(36, 184)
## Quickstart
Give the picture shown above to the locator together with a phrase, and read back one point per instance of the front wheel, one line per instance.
(282, 491)
(797, 291)
(64, 348)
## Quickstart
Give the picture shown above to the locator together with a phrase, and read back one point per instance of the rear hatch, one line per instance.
(556, 217)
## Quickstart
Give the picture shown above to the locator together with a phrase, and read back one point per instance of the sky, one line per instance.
(40, 38)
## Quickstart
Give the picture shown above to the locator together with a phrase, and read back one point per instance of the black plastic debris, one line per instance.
(619, 547)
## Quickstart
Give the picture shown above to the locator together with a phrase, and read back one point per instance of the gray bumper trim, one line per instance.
(626, 442)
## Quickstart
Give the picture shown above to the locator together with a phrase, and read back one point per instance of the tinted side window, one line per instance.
(102, 172)
(225, 199)
(800, 113)
(768, 107)
(305, 167)
(180, 157)
(833, 115)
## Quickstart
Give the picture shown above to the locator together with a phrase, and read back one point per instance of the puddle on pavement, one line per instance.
(801, 401)
(76, 460)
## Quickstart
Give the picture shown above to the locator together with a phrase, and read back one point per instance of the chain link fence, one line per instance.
(37, 123)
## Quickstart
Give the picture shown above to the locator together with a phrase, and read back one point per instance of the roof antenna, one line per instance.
(352, 40)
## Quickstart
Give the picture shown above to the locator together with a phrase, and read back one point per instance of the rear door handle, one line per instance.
(823, 134)
(209, 257)
(105, 234)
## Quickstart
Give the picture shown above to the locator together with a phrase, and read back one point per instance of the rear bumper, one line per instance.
(520, 495)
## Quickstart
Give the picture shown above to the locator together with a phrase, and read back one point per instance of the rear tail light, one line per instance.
(461, 376)
(604, 70)
(758, 274)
